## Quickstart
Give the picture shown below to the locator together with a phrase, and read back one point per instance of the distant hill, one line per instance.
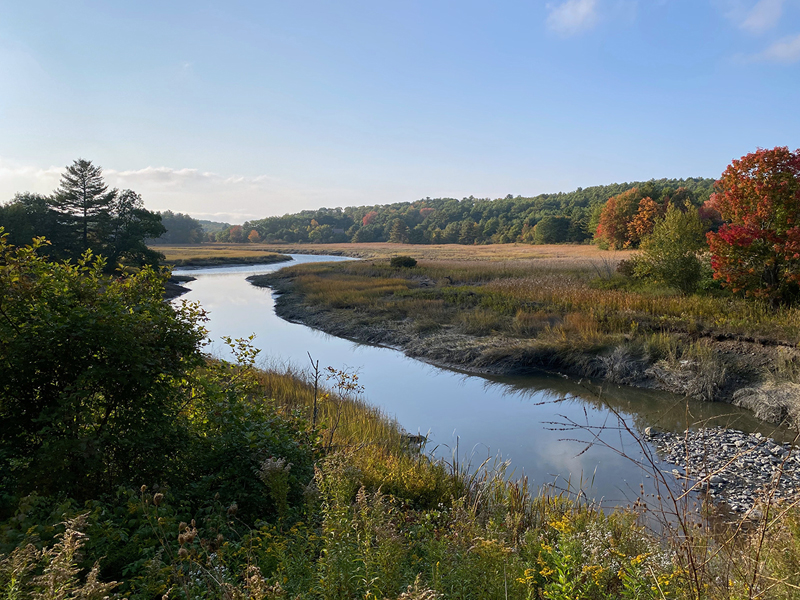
(571, 217)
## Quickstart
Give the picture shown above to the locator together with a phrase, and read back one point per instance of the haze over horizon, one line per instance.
(251, 109)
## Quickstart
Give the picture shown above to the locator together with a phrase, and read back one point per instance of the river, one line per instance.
(521, 419)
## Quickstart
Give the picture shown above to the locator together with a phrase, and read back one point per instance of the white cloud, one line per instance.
(572, 17)
(204, 194)
(786, 50)
(765, 15)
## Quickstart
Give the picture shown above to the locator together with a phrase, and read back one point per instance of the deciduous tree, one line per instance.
(757, 249)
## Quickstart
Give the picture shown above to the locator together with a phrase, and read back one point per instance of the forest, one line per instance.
(544, 219)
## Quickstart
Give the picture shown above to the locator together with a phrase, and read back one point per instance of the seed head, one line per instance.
(158, 498)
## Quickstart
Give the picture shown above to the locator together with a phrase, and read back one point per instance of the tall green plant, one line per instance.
(670, 255)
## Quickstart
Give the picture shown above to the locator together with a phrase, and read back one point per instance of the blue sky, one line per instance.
(241, 110)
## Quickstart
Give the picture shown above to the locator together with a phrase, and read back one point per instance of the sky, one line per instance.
(239, 110)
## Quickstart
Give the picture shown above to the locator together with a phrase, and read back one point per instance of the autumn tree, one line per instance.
(236, 234)
(757, 249)
(615, 219)
(254, 237)
(644, 220)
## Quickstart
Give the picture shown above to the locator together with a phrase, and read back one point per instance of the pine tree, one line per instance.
(82, 199)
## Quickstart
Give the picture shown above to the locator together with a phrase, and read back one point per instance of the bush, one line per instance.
(91, 372)
(670, 253)
(403, 262)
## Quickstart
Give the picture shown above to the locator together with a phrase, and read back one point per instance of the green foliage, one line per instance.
(466, 221)
(670, 255)
(552, 230)
(83, 202)
(90, 374)
(403, 262)
(181, 229)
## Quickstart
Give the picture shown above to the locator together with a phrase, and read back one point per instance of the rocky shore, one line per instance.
(731, 466)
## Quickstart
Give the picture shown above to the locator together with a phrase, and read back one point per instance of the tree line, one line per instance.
(543, 219)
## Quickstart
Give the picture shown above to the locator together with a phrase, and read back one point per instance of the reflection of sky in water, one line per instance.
(519, 418)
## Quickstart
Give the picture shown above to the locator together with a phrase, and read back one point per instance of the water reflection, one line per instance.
(541, 423)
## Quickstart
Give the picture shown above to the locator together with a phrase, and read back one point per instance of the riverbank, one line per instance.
(209, 255)
(512, 318)
(173, 287)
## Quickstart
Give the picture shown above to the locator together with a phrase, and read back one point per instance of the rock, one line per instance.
(733, 466)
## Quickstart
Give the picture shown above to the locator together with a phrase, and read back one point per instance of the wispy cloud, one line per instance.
(572, 16)
(765, 15)
(786, 50)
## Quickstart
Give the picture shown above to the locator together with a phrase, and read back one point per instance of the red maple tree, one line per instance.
(757, 249)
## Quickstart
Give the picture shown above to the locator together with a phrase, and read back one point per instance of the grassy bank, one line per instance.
(380, 520)
(205, 255)
(572, 313)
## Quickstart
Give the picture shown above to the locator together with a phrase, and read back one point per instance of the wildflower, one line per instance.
(158, 499)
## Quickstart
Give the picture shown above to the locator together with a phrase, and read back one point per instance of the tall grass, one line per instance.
(531, 296)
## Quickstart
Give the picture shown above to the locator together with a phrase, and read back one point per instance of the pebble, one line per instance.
(730, 465)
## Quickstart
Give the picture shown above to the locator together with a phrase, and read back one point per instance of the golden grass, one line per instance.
(490, 252)
(375, 443)
(174, 253)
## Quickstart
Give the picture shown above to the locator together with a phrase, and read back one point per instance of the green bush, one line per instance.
(403, 262)
(91, 372)
(670, 255)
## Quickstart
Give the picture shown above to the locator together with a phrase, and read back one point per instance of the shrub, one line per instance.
(91, 372)
(403, 262)
(670, 254)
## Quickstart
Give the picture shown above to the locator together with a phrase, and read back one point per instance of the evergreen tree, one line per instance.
(83, 200)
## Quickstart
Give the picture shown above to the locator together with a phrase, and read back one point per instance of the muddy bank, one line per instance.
(734, 374)
(173, 287)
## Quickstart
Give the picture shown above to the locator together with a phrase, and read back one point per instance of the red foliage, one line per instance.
(369, 217)
(616, 217)
(757, 250)
(428, 210)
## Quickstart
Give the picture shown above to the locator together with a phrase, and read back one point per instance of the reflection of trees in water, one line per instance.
(641, 407)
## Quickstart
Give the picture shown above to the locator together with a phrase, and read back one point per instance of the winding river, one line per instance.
(522, 419)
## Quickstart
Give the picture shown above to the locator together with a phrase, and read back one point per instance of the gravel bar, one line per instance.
(731, 466)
